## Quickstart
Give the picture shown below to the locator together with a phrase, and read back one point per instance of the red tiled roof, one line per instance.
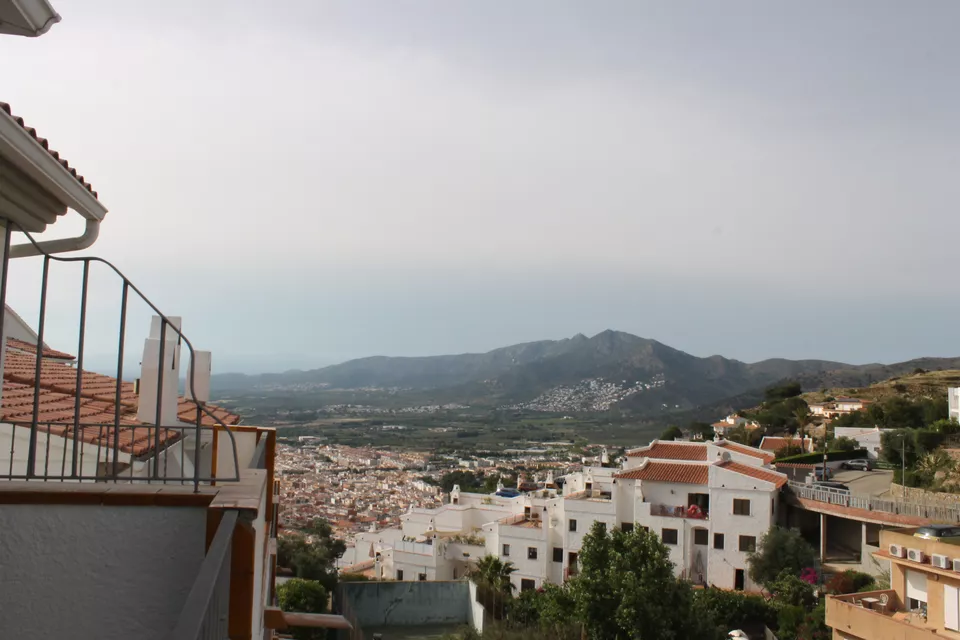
(57, 404)
(27, 347)
(46, 145)
(754, 472)
(745, 450)
(672, 451)
(654, 471)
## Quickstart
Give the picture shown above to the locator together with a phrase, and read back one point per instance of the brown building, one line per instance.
(923, 602)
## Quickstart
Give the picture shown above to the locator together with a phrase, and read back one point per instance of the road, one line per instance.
(874, 483)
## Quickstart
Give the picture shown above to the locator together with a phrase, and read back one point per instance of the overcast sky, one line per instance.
(306, 182)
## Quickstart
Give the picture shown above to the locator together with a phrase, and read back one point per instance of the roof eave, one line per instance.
(32, 18)
(21, 149)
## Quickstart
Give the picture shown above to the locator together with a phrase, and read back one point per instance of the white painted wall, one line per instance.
(111, 573)
(953, 400)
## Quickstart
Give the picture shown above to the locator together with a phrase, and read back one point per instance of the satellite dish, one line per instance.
(737, 633)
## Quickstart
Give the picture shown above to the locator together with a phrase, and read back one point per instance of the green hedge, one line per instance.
(832, 456)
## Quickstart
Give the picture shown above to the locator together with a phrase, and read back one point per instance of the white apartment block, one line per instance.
(709, 502)
(953, 400)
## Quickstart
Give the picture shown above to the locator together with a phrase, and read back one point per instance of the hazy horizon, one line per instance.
(341, 179)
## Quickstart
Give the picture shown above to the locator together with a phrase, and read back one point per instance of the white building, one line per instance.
(953, 399)
(708, 502)
(869, 439)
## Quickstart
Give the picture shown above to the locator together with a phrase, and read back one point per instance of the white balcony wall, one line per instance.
(105, 572)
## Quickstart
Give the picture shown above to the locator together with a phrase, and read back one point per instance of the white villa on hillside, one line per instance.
(953, 401)
(709, 502)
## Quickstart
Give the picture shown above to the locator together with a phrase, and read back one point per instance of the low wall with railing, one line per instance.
(932, 512)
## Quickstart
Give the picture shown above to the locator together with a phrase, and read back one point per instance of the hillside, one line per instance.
(610, 369)
(913, 385)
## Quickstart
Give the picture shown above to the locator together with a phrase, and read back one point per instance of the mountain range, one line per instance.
(651, 376)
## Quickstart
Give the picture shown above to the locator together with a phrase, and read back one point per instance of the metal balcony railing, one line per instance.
(206, 613)
(843, 498)
(124, 449)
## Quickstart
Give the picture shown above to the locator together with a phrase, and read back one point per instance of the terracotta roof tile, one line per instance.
(57, 404)
(27, 347)
(745, 450)
(755, 472)
(4, 107)
(654, 471)
(672, 451)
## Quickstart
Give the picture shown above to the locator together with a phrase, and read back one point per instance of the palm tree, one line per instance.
(494, 589)
(938, 468)
(802, 414)
(493, 573)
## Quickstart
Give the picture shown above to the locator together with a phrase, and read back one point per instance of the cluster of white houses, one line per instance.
(709, 502)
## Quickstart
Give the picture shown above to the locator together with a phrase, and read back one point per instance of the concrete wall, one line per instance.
(386, 604)
(74, 571)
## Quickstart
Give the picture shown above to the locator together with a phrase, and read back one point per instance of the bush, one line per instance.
(832, 456)
(303, 596)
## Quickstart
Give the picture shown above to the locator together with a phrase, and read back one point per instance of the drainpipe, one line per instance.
(63, 245)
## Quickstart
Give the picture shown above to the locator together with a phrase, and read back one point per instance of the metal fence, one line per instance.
(78, 431)
(206, 613)
(936, 513)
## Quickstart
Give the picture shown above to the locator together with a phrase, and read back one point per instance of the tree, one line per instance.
(703, 430)
(899, 446)
(783, 391)
(494, 589)
(671, 433)
(466, 479)
(789, 589)
(946, 427)
(779, 550)
(802, 416)
(844, 443)
(303, 596)
(314, 559)
(733, 609)
(626, 584)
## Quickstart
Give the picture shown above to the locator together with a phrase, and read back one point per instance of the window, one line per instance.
(506, 550)
(531, 553)
(603, 526)
(700, 536)
(399, 574)
(738, 580)
(527, 585)
(741, 507)
(422, 577)
(669, 536)
(557, 554)
(572, 525)
(748, 543)
(718, 541)
(626, 527)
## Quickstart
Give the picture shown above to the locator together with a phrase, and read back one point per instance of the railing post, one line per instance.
(34, 422)
(76, 405)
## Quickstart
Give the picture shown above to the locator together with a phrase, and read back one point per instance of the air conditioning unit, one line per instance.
(897, 551)
(956, 564)
(940, 561)
(915, 555)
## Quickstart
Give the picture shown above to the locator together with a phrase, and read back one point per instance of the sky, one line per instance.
(308, 182)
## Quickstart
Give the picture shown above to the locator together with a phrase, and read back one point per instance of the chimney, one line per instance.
(152, 369)
(201, 380)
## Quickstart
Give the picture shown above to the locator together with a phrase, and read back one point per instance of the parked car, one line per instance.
(857, 465)
(829, 484)
(945, 532)
(822, 474)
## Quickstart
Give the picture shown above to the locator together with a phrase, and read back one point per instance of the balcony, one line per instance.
(524, 520)
(677, 511)
(877, 615)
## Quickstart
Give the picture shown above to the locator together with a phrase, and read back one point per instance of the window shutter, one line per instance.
(951, 607)
(917, 585)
